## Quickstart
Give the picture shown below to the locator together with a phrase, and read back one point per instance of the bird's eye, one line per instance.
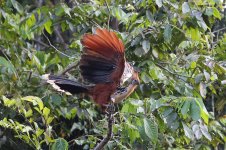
(135, 82)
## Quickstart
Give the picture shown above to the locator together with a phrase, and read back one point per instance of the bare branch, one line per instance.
(109, 16)
(41, 43)
(54, 46)
(219, 30)
(110, 113)
(70, 67)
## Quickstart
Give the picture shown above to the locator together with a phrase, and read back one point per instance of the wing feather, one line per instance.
(103, 57)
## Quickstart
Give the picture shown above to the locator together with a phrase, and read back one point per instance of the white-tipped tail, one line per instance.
(54, 85)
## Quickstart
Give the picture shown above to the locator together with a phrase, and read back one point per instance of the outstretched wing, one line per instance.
(103, 58)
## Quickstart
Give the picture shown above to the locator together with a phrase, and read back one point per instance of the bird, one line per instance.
(104, 67)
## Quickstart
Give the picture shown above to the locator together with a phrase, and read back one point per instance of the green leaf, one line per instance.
(49, 120)
(167, 33)
(204, 112)
(185, 7)
(209, 11)
(60, 144)
(151, 129)
(195, 110)
(149, 16)
(119, 14)
(202, 24)
(195, 34)
(202, 89)
(205, 132)
(167, 111)
(125, 108)
(171, 118)
(216, 13)
(145, 77)
(56, 99)
(197, 131)
(39, 132)
(185, 107)
(139, 51)
(159, 3)
(35, 100)
(8, 102)
(66, 9)
(188, 132)
(155, 53)
(146, 46)
(153, 73)
(46, 112)
(47, 26)
(136, 41)
(17, 6)
(7, 64)
(193, 65)
(29, 113)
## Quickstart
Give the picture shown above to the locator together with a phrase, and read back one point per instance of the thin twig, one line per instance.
(41, 43)
(58, 33)
(101, 145)
(70, 67)
(219, 30)
(54, 46)
(213, 105)
(109, 16)
(56, 29)
(173, 73)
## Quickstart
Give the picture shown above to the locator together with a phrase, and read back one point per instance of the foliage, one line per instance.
(179, 45)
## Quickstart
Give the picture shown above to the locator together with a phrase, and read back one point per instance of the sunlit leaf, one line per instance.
(197, 131)
(17, 6)
(159, 3)
(185, 7)
(195, 34)
(66, 9)
(146, 45)
(216, 13)
(48, 25)
(46, 112)
(202, 89)
(205, 132)
(35, 100)
(188, 132)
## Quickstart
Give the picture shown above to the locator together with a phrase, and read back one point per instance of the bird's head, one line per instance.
(135, 77)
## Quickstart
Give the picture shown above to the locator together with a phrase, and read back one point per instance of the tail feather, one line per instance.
(67, 86)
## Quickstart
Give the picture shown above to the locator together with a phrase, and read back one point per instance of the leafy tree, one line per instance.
(179, 45)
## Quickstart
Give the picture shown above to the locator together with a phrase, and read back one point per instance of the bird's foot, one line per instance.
(110, 108)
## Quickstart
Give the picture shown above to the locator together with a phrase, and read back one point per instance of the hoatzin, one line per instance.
(103, 65)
